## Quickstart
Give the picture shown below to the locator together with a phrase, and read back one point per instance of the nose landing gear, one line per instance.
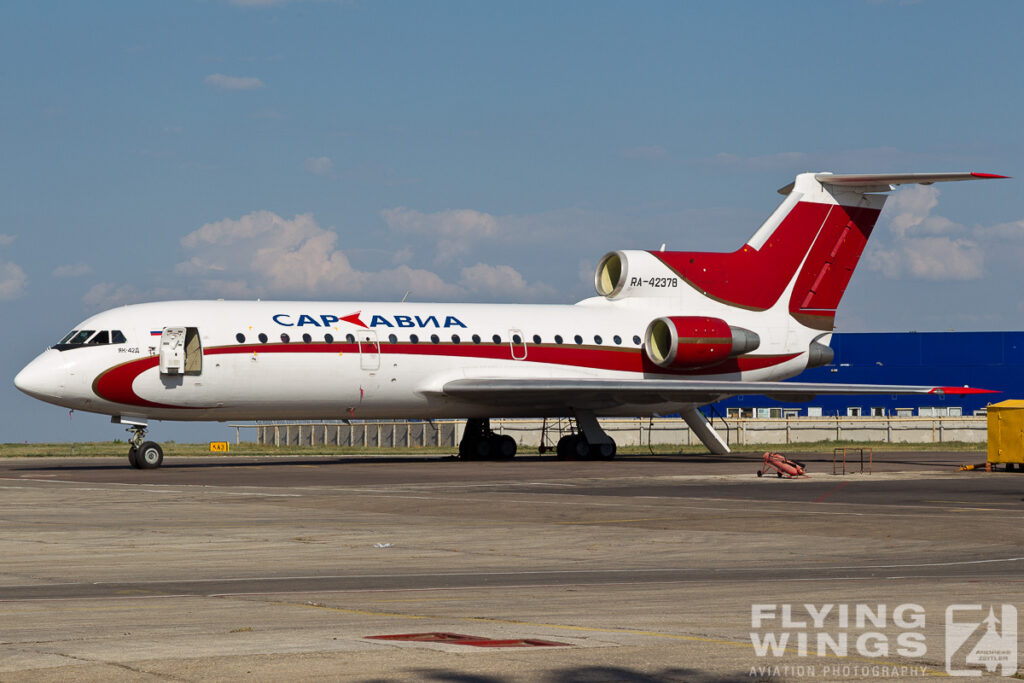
(143, 455)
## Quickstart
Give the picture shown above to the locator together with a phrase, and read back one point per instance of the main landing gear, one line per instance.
(480, 443)
(576, 447)
(143, 455)
(589, 443)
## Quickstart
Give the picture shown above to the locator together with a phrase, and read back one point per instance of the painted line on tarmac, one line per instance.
(533, 572)
(763, 505)
(828, 493)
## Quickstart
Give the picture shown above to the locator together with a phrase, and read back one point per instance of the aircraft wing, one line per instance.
(596, 393)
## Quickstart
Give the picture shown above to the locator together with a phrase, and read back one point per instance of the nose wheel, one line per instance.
(143, 455)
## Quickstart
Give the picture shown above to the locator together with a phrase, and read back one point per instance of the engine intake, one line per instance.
(695, 341)
(611, 274)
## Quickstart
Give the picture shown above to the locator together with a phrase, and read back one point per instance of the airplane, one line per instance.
(667, 333)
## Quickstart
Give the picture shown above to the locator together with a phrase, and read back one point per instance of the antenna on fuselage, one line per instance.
(407, 293)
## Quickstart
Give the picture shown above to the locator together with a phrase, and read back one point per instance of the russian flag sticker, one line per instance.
(155, 333)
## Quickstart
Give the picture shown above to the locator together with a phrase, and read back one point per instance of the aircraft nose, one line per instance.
(41, 379)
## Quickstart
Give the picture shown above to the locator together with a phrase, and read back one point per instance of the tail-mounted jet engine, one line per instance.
(695, 341)
(632, 273)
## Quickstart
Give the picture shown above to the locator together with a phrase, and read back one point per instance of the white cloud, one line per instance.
(461, 223)
(454, 229)
(925, 246)
(501, 282)
(911, 208)
(233, 82)
(319, 166)
(7, 240)
(1013, 230)
(930, 258)
(12, 281)
(403, 255)
(72, 270)
(264, 254)
(109, 295)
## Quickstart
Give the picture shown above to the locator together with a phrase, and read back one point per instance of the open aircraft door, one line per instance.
(181, 351)
(369, 350)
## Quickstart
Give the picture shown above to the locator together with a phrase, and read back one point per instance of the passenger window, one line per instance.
(456, 339)
(536, 339)
(285, 338)
(496, 339)
(636, 340)
(117, 338)
(414, 339)
(578, 339)
(516, 339)
(263, 338)
(393, 338)
(350, 338)
(329, 338)
(618, 339)
(434, 339)
(476, 338)
(597, 339)
(558, 339)
(307, 338)
(102, 337)
(240, 338)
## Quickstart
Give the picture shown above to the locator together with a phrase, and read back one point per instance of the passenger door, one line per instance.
(181, 351)
(369, 350)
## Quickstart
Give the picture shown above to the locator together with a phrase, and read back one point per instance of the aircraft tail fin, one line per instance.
(812, 241)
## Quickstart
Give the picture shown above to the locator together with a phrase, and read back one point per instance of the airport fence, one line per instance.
(625, 431)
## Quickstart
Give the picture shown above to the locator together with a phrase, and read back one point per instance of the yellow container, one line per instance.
(1006, 432)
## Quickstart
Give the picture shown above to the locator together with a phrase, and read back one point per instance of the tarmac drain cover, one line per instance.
(475, 641)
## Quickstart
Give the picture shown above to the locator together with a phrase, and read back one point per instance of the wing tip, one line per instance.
(988, 175)
(962, 391)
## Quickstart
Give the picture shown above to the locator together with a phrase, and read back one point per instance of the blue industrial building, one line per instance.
(987, 360)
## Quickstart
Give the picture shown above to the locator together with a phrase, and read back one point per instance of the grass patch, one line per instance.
(120, 449)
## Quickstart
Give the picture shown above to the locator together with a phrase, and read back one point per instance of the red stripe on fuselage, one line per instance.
(594, 357)
(115, 384)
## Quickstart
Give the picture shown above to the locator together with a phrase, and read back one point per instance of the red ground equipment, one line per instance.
(783, 466)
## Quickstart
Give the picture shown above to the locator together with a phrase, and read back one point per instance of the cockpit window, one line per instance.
(78, 338)
(81, 337)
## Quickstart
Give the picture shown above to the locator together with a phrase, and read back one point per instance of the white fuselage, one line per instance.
(343, 360)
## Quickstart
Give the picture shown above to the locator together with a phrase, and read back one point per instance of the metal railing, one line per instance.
(625, 431)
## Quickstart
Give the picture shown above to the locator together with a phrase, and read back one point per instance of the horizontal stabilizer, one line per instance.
(883, 182)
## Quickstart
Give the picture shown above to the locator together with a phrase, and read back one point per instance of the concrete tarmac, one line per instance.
(646, 568)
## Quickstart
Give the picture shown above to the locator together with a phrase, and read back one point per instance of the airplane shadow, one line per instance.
(589, 674)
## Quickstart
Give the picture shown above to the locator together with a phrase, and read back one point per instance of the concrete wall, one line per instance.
(626, 432)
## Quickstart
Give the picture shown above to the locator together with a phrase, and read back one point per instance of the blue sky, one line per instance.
(470, 151)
